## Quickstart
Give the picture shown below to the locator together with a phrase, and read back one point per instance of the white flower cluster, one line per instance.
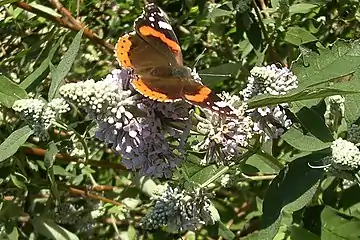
(104, 100)
(179, 210)
(224, 134)
(136, 127)
(39, 115)
(344, 160)
(345, 154)
(227, 180)
(269, 79)
(270, 121)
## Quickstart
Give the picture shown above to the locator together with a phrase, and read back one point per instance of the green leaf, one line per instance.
(275, 3)
(298, 36)
(145, 184)
(296, 95)
(13, 142)
(298, 233)
(17, 182)
(225, 232)
(10, 92)
(58, 170)
(315, 124)
(218, 12)
(228, 69)
(13, 234)
(342, 60)
(191, 165)
(131, 232)
(335, 225)
(54, 188)
(50, 229)
(263, 163)
(29, 80)
(50, 154)
(58, 74)
(204, 174)
(290, 191)
(49, 160)
(10, 210)
(302, 8)
(303, 142)
(3, 2)
(45, 9)
(352, 102)
(266, 234)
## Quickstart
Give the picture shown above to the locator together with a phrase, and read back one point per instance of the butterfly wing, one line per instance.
(202, 96)
(154, 28)
(155, 78)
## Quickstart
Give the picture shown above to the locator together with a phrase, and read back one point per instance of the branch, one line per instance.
(258, 178)
(67, 158)
(273, 54)
(89, 195)
(69, 23)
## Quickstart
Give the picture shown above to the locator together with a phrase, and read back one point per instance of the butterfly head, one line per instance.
(182, 72)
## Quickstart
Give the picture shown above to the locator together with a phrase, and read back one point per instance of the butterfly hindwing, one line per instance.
(158, 89)
(202, 96)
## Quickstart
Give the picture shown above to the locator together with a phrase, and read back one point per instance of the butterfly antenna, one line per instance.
(215, 75)
(198, 58)
(207, 74)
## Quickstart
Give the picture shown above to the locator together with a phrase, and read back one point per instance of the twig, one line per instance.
(67, 158)
(259, 178)
(273, 53)
(79, 25)
(89, 195)
(69, 23)
(263, 7)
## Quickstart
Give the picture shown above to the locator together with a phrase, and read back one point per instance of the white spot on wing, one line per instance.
(152, 19)
(164, 25)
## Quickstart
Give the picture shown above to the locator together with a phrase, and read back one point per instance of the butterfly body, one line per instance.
(154, 54)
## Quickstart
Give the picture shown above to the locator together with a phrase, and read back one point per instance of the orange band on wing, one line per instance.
(200, 96)
(146, 31)
(122, 50)
(142, 88)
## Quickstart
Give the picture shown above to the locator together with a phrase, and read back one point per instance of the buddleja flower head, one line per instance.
(179, 210)
(269, 79)
(354, 134)
(345, 158)
(270, 121)
(135, 126)
(40, 115)
(224, 137)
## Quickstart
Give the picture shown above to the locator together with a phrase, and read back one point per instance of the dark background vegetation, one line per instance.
(237, 35)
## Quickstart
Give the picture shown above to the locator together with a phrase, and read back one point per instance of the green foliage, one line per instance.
(72, 186)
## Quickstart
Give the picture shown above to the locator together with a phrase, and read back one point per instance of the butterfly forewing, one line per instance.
(154, 27)
(154, 75)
